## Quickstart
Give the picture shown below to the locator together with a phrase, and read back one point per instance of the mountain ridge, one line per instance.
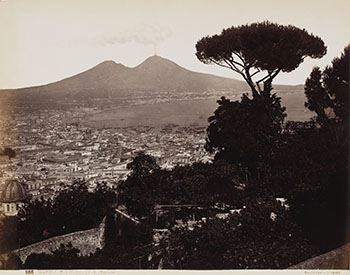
(155, 73)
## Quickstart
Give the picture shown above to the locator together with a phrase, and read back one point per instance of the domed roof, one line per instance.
(13, 192)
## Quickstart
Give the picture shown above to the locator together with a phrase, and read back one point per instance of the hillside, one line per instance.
(110, 79)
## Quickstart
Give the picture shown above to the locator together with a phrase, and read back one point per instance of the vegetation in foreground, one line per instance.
(258, 158)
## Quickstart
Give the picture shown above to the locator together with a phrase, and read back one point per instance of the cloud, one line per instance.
(141, 34)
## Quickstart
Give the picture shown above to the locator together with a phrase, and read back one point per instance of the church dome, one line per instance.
(13, 192)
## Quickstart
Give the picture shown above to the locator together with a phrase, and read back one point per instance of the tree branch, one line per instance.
(232, 65)
(263, 79)
(239, 56)
(258, 71)
(219, 64)
(233, 62)
(258, 86)
(275, 74)
(250, 82)
(270, 75)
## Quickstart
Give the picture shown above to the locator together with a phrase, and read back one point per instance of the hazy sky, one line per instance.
(46, 40)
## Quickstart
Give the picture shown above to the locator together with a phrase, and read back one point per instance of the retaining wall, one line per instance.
(86, 241)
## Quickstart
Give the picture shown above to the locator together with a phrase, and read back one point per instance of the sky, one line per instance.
(43, 41)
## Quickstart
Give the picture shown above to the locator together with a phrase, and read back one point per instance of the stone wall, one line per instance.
(87, 242)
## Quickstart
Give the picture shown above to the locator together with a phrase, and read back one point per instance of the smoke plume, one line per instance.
(142, 34)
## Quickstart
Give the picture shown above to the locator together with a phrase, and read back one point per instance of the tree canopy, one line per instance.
(74, 209)
(246, 131)
(327, 91)
(263, 235)
(143, 165)
(199, 183)
(260, 49)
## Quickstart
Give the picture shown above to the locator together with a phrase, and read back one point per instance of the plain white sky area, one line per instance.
(43, 41)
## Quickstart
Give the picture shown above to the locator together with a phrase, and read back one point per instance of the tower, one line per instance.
(12, 198)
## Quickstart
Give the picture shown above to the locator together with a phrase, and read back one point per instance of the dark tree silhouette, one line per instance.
(245, 131)
(74, 209)
(327, 91)
(66, 257)
(325, 213)
(143, 165)
(138, 191)
(200, 183)
(8, 234)
(260, 49)
(262, 236)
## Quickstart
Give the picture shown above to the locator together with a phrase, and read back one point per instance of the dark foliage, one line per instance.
(129, 249)
(292, 168)
(323, 211)
(199, 183)
(143, 165)
(246, 131)
(316, 186)
(264, 47)
(66, 257)
(72, 210)
(310, 163)
(8, 234)
(139, 192)
(251, 239)
(327, 91)
(310, 168)
(110, 236)
(304, 162)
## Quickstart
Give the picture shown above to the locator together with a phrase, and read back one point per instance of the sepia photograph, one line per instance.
(194, 135)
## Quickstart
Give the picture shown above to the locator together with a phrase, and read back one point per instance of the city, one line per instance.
(52, 151)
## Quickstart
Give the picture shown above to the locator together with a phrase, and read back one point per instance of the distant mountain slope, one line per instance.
(159, 73)
(155, 74)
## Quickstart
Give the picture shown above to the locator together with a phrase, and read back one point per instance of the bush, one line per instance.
(256, 239)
